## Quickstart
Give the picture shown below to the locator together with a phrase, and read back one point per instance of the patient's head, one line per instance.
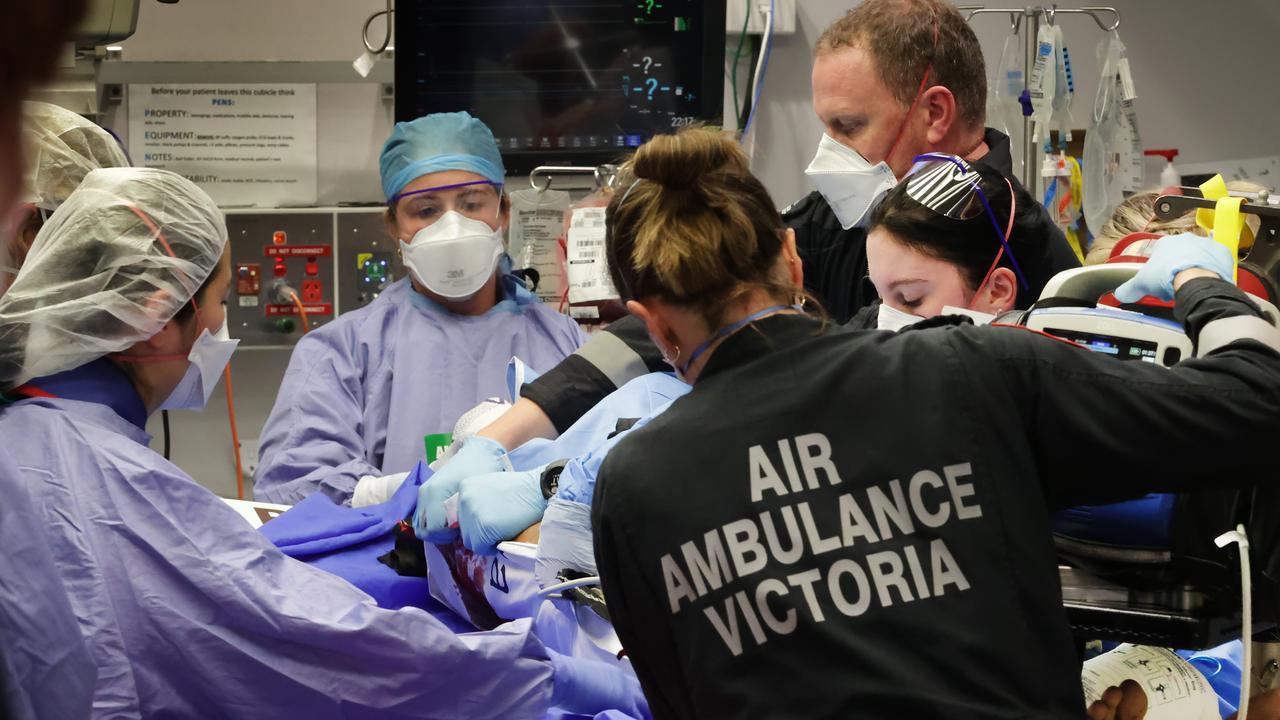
(1138, 214)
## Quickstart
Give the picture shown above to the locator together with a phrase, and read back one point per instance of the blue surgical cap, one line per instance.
(433, 143)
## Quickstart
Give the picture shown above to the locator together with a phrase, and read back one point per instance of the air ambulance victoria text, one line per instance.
(910, 572)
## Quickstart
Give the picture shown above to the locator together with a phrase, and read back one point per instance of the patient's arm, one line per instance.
(530, 535)
(517, 426)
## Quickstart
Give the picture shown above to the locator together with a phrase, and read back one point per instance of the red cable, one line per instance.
(302, 312)
(1008, 230)
(235, 432)
(919, 93)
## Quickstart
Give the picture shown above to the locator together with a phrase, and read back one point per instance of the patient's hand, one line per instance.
(1127, 702)
(530, 534)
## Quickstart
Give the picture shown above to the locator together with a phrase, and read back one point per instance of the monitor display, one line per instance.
(1122, 348)
(566, 82)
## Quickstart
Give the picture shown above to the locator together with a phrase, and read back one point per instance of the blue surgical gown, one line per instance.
(187, 611)
(642, 397)
(361, 392)
(45, 667)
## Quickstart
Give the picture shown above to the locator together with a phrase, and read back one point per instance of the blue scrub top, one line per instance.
(361, 392)
(187, 611)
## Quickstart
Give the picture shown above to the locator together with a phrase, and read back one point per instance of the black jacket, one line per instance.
(835, 272)
(835, 259)
(837, 523)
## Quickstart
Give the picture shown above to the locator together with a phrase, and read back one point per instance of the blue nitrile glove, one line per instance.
(564, 542)
(498, 506)
(1172, 255)
(478, 456)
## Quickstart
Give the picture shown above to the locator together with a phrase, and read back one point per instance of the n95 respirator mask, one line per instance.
(453, 257)
(851, 185)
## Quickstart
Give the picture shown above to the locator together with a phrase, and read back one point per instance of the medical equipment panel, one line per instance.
(282, 265)
(317, 261)
(1121, 348)
(368, 259)
(576, 82)
(107, 21)
(1120, 333)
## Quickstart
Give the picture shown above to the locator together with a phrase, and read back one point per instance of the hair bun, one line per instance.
(678, 162)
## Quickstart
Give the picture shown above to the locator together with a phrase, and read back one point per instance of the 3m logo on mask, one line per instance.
(874, 561)
(453, 257)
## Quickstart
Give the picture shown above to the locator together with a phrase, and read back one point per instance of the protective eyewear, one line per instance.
(478, 200)
(950, 187)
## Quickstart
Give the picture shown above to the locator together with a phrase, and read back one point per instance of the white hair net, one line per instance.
(60, 149)
(122, 256)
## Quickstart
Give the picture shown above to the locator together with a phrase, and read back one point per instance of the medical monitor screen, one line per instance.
(579, 82)
(1122, 348)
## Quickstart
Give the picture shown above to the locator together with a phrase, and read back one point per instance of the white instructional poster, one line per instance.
(243, 144)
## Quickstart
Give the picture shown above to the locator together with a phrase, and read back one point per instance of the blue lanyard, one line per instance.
(728, 330)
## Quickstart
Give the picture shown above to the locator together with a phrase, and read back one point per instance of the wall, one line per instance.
(1185, 101)
(352, 119)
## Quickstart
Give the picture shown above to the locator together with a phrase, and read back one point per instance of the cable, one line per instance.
(386, 39)
(569, 585)
(737, 58)
(302, 312)
(164, 420)
(564, 259)
(1241, 538)
(758, 78)
(762, 65)
(756, 42)
(235, 432)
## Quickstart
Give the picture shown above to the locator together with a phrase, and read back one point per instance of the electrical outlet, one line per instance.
(784, 22)
(312, 291)
(249, 456)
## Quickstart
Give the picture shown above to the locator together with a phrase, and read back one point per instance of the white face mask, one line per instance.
(894, 319)
(209, 357)
(851, 185)
(454, 256)
(977, 316)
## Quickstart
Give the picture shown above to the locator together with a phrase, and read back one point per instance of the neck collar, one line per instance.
(99, 382)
